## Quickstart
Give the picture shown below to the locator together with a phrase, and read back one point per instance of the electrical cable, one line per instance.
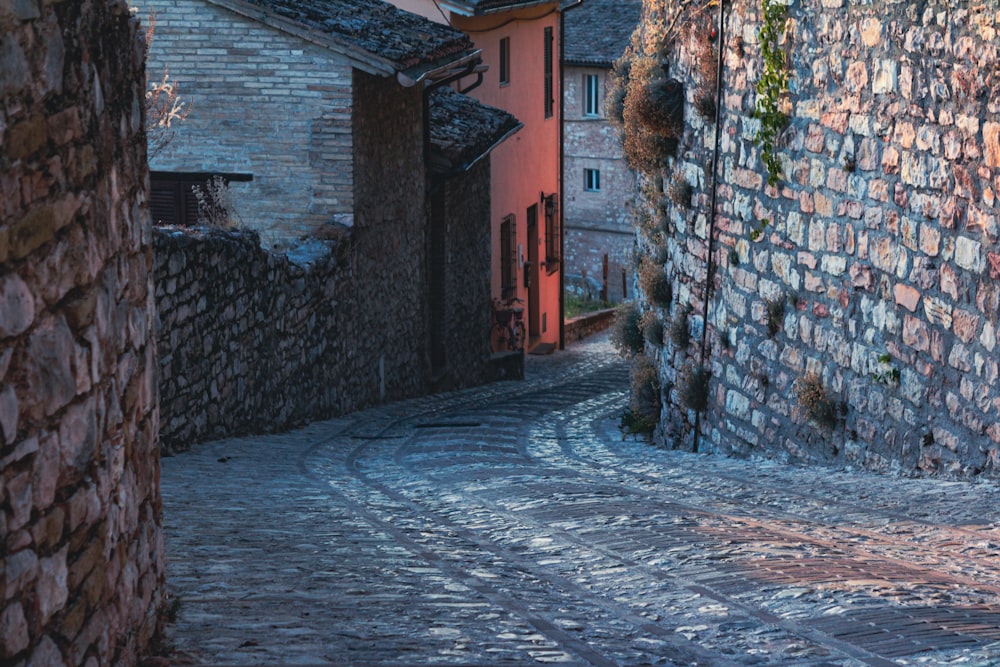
(715, 189)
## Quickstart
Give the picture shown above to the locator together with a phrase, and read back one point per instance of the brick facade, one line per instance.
(261, 102)
(598, 221)
(879, 265)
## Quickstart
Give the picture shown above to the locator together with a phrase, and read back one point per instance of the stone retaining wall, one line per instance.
(878, 270)
(582, 326)
(81, 552)
(253, 342)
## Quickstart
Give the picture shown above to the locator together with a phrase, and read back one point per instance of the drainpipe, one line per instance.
(721, 37)
(564, 7)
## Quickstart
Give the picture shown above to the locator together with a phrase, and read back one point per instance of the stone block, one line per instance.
(861, 276)
(51, 586)
(46, 653)
(938, 311)
(13, 630)
(906, 296)
(27, 137)
(966, 325)
(20, 570)
(885, 76)
(8, 415)
(930, 239)
(915, 334)
(969, 254)
(17, 306)
(991, 144)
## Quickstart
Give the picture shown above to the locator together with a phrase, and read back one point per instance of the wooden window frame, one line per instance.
(549, 88)
(553, 245)
(591, 96)
(508, 256)
(172, 200)
(504, 68)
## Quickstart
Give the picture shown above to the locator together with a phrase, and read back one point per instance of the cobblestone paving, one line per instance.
(514, 525)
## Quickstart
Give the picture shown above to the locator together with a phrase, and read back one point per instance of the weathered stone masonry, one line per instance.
(252, 341)
(81, 556)
(883, 240)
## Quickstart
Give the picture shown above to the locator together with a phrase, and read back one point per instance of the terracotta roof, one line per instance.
(597, 31)
(391, 37)
(464, 130)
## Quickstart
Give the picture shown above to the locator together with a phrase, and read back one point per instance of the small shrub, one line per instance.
(614, 101)
(692, 387)
(886, 373)
(680, 336)
(661, 107)
(216, 206)
(645, 398)
(574, 305)
(652, 328)
(704, 105)
(652, 115)
(775, 316)
(816, 400)
(734, 257)
(626, 336)
(681, 192)
(654, 283)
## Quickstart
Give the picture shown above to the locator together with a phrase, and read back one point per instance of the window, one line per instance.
(591, 95)
(549, 92)
(508, 257)
(171, 195)
(592, 180)
(552, 240)
(505, 61)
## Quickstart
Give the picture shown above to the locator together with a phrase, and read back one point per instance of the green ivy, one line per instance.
(772, 85)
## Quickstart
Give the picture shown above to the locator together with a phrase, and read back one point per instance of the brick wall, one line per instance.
(882, 245)
(242, 79)
(81, 551)
(596, 223)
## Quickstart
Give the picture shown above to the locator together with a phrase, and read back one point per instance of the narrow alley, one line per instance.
(513, 524)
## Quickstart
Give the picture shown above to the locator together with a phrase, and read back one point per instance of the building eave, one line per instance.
(470, 9)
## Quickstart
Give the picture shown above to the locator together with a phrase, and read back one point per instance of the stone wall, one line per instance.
(466, 311)
(80, 519)
(240, 78)
(252, 341)
(877, 272)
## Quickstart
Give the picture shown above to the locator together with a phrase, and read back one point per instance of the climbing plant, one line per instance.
(772, 85)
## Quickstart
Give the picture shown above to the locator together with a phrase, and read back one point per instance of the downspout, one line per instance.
(564, 7)
(709, 277)
(562, 194)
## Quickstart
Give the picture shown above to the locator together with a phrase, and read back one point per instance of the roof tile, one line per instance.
(598, 31)
(375, 26)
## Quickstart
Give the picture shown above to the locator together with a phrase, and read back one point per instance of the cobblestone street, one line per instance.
(513, 524)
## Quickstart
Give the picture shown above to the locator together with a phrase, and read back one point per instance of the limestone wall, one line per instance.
(81, 552)
(879, 264)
